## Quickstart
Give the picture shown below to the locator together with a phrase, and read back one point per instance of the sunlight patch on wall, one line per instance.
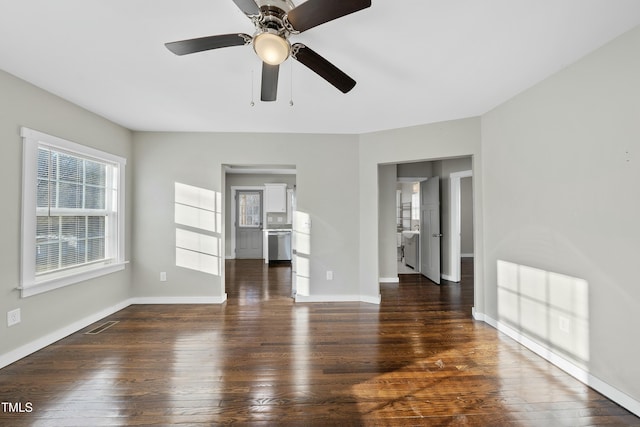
(198, 251)
(550, 308)
(198, 208)
(302, 243)
(198, 217)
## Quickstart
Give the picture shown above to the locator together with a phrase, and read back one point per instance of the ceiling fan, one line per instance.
(275, 22)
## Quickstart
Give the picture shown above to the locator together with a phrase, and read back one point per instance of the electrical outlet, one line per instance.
(13, 317)
(163, 276)
(329, 275)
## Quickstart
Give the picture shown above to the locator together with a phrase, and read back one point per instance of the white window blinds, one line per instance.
(72, 215)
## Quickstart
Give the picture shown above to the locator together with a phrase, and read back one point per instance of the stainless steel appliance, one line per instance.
(279, 245)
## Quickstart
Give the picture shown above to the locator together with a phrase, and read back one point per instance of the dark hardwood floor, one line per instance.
(260, 359)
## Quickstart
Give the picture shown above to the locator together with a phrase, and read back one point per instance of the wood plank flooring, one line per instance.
(260, 359)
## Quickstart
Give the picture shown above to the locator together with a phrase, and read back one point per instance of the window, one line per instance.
(249, 209)
(72, 213)
(415, 202)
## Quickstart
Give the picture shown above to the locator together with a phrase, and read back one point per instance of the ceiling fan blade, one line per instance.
(269, 90)
(184, 47)
(315, 12)
(249, 7)
(322, 67)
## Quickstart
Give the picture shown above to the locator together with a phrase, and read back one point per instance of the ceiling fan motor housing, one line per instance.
(284, 5)
(272, 18)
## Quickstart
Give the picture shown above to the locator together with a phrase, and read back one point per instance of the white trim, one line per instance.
(179, 300)
(40, 343)
(575, 371)
(247, 170)
(56, 142)
(82, 276)
(48, 339)
(338, 298)
(389, 280)
(371, 300)
(30, 283)
(454, 223)
(477, 315)
(466, 255)
(449, 278)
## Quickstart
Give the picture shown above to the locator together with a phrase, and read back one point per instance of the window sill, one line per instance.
(70, 279)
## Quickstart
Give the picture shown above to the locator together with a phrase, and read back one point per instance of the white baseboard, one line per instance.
(388, 280)
(575, 371)
(477, 315)
(338, 298)
(372, 300)
(466, 255)
(42, 342)
(180, 300)
(448, 278)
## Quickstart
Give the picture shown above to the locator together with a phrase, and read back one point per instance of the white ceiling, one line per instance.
(415, 61)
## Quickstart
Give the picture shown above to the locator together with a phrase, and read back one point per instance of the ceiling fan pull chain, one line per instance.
(291, 85)
(251, 104)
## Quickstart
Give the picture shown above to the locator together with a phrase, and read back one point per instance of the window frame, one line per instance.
(32, 283)
(260, 195)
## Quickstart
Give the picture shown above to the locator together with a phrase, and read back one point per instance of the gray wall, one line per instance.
(22, 104)
(444, 169)
(466, 216)
(415, 170)
(561, 173)
(387, 230)
(327, 190)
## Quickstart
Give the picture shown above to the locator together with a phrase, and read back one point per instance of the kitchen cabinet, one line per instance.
(275, 198)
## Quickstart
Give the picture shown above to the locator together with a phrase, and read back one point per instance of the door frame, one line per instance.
(454, 223)
(234, 193)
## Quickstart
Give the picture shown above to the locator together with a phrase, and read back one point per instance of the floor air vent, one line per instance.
(102, 327)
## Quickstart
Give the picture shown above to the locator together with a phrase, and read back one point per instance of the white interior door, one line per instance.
(430, 228)
(249, 224)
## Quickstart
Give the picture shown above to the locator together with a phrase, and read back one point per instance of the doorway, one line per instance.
(390, 235)
(461, 220)
(408, 226)
(248, 221)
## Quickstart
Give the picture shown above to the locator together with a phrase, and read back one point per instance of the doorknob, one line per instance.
(437, 235)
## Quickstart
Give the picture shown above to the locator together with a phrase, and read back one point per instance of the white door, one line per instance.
(249, 224)
(430, 228)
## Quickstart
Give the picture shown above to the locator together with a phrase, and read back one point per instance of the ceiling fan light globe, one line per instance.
(271, 48)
